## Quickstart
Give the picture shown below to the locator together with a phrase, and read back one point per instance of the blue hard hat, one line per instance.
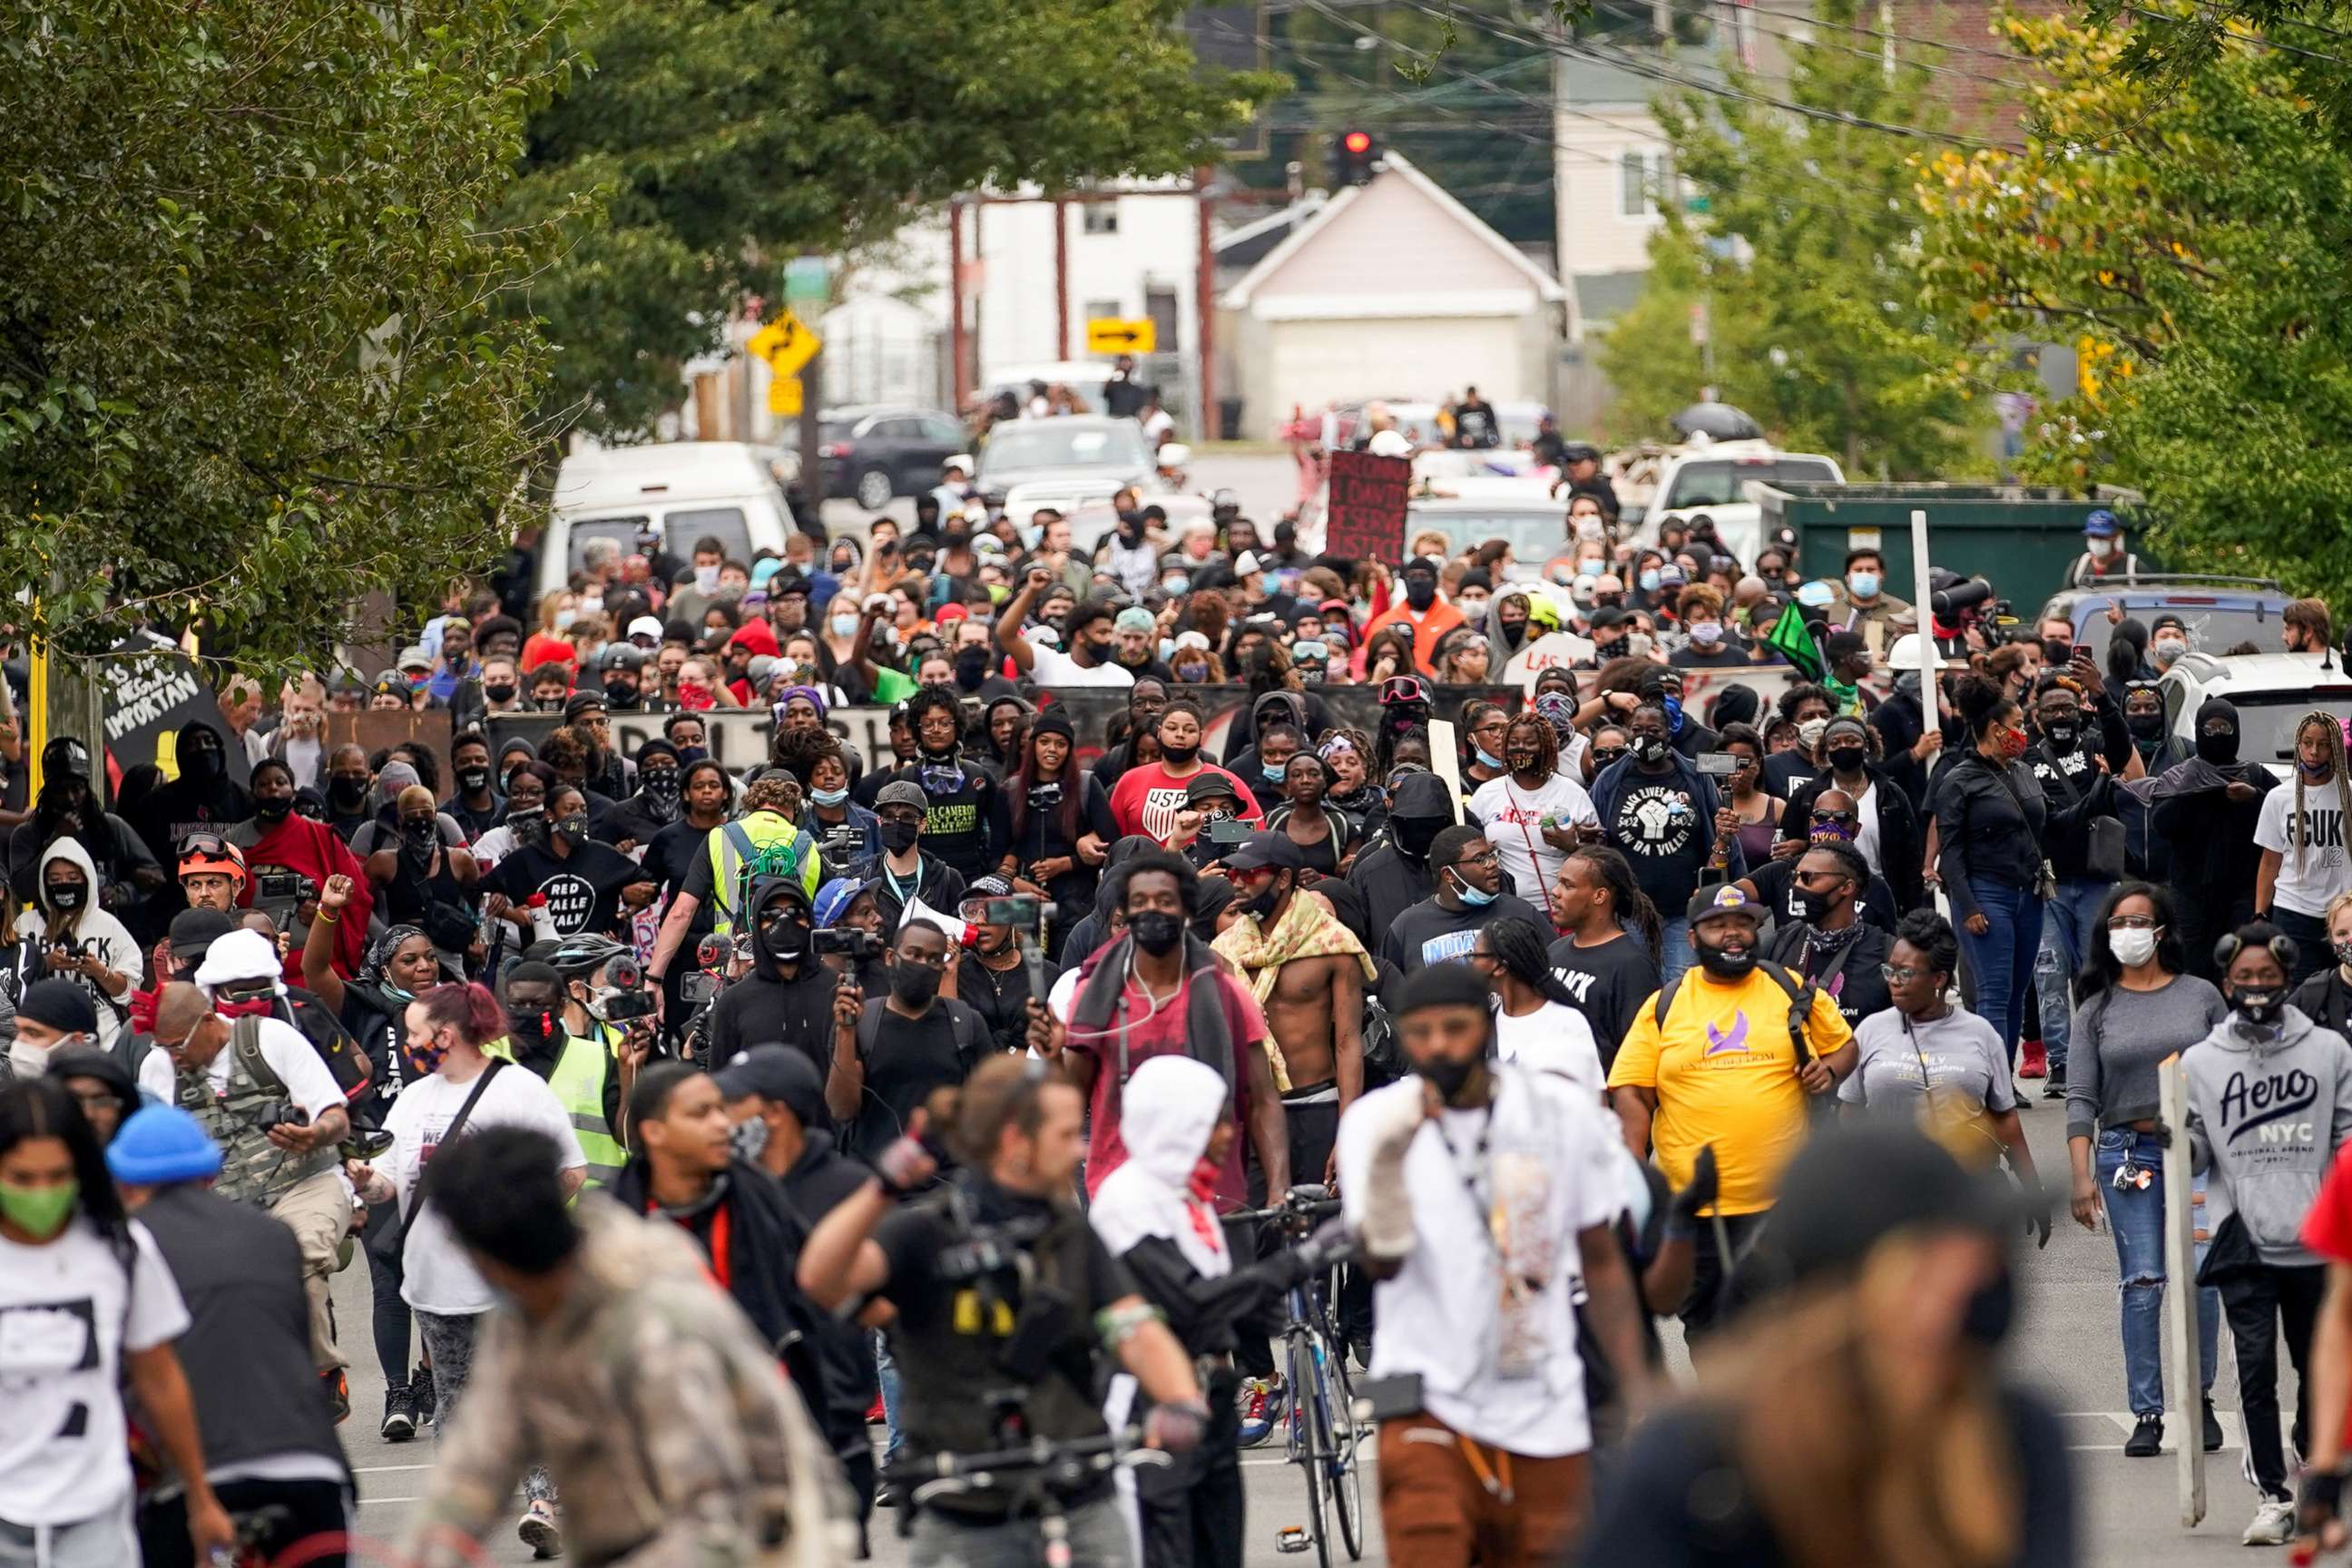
(162, 1144)
(2102, 524)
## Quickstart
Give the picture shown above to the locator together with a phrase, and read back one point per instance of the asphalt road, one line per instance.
(2067, 1345)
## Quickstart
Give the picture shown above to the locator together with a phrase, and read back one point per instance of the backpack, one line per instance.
(350, 1065)
(780, 858)
(1800, 1004)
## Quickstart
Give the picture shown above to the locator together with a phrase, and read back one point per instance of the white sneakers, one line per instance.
(2273, 1523)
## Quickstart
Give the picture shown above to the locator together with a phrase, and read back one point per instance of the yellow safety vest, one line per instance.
(579, 1082)
(761, 830)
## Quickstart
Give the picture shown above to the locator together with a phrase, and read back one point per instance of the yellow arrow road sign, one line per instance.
(786, 343)
(1113, 335)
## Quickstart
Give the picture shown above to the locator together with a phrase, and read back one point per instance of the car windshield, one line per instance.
(2212, 628)
(2266, 720)
(1720, 483)
(1059, 444)
(1535, 536)
(680, 530)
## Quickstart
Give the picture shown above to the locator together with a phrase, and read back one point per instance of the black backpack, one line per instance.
(1800, 1004)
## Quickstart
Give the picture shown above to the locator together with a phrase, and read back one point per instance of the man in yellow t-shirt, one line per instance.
(1723, 1069)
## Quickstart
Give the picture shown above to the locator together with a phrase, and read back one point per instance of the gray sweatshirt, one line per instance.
(2119, 1036)
(2264, 1119)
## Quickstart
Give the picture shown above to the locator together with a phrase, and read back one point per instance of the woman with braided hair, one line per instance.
(1536, 1019)
(2301, 833)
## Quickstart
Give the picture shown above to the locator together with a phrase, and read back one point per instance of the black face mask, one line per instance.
(421, 835)
(529, 827)
(1649, 748)
(1178, 756)
(537, 1028)
(2221, 750)
(501, 692)
(572, 830)
(2260, 1006)
(2144, 726)
(1447, 1076)
(786, 940)
(914, 984)
(346, 793)
(1420, 593)
(1848, 759)
(620, 694)
(203, 766)
(1156, 932)
(1724, 963)
(2062, 736)
(971, 667)
(1267, 901)
(1414, 835)
(66, 895)
(276, 809)
(899, 836)
(2057, 652)
(1816, 906)
(473, 780)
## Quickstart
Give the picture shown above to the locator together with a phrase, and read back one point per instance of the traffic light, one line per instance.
(1351, 158)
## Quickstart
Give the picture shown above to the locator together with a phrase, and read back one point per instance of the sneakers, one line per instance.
(339, 1394)
(2273, 1523)
(2147, 1440)
(2214, 1436)
(420, 1394)
(2033, 1060)
(2056, 1087)
(540, 1531)
(399, 1417)
(875, 1415)
(1261, 1400)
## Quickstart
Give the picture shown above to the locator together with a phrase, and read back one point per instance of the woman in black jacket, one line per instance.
(1990, 814)
(1849, 750)
(2076, 766)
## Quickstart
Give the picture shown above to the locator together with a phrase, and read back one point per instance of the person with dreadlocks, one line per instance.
(2303, 868)
(1536, 1023)
(1536, 812)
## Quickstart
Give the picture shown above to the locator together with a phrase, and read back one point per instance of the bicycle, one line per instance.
(1030, 1476)
(1321, 1433)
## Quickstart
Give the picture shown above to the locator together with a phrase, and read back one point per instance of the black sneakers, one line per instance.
(420, 1393)
(2147, 1440)
(399, 1417)
(2214, 1436)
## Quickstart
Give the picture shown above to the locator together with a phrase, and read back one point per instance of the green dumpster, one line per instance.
(2021, 537)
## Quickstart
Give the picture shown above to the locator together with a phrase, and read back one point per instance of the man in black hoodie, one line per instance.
(775, 1098)
(2205, 809)
(202, 798)
(788, 996)
(1394, 875)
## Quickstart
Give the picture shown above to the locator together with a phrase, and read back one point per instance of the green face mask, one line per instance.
(39, 1212)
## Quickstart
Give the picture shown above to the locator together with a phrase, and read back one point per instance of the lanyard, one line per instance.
(1487, 1209)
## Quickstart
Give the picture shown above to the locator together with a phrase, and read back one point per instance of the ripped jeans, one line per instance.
(2136, 1216)
(2066, 922)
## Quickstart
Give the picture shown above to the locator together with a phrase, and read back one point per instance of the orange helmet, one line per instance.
(209, 852)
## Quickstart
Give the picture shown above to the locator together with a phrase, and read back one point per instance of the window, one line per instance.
(938, 427)
(681, 529)
(1641, 178)
(1159, 305)
(1104, 311)
(1100, 217)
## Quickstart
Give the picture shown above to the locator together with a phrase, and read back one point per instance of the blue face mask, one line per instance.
(1649, 579)
(1863, 584)
(1673, 706)
(1275, 771)
(828, 796)
(1477, 897)
(1593, 567)
(1487, 759)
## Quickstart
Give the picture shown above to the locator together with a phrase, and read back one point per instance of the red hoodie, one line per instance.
(761, 638)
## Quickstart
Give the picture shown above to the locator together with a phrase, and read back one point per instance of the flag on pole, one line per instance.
(1794, 639)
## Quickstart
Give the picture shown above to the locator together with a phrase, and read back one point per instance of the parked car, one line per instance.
(1536, 526)
(2219, 612)
(1713, 479)
(2272, 692)
(664, 495)
(872, 452)
(1068, 462)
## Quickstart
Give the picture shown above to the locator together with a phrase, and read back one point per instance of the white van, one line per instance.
(1714, 480)
(670, 493)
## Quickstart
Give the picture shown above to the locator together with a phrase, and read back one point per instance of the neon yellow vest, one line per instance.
(579, 1082)
(762, 829)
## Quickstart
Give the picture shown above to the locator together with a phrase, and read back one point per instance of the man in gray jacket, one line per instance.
(2270, 1100)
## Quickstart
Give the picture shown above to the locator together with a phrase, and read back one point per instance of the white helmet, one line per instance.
(1389, 444)
(1904, 654)
(1175, 455)
(240, 954)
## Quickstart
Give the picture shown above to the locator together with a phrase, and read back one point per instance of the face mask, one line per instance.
(661, 786)
(1991, 1307)
(2144, 726)
(2012, 742)
(565, 618)
(422, 832)
(1264, 905)
(1863, 584)
(2100, 549)
(690, 755)
(2166, 649)
(501, 692)
(914, 984)
(273, 810)
(529, 827)
(706, 580)
(203, 766)
(66, 895)
(844, 626)
(899, 836)
(1474, 611)
(346, 792)
(2318, 769)
(1726, 964)
(2344, 953)
(535, 1028)
(473, 781)
(1420, 593)
(1809, 733)
(1179, 756)
(2132, 948)
(29, 1061)
(1591, 567)
(1156, 932)
(1649, 748)
(2218, 749)
(39, 1211)
(1477, 897)
(573, 829)
(1449, 1077)
(1487, 759)
(1816, 906)
(2259, 1006)
(1706, 631)
(2062, 736)
(828, 797)
(786, 940)
(749, 1138)
(620, 694)
(1649, 580)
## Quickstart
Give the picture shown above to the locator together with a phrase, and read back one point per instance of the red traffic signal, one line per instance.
(1358, 142)
(1351, 158)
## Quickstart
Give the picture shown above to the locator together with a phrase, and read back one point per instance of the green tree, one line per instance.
(2186, 236)
(254, 360)
(1804, 247)
(722, 139)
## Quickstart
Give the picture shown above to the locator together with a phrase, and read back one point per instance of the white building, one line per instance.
(1610, 165)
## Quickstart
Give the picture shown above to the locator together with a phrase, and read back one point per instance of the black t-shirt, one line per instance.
(367, 1013)
(1430, 933)
(583, 893)
(1776, 887)
(908, 1058)
(1001, 997)
(1857, 987)
(1610, 981)
(956, 825)
(1783, 774)
(1041, 837)
(1730, 656)
(1657, 826)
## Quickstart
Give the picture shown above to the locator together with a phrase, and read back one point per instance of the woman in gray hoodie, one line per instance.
(2270, 1099)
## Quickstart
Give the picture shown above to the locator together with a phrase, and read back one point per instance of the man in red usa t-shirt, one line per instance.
(1150, 796)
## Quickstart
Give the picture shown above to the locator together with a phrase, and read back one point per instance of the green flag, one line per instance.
(1795, 640)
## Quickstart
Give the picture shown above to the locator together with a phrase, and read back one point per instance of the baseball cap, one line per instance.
(389, 683)
(1209, 786)
(1725, 900)
(902, 792)
(581, 703)
(1135, 619)
(413, 657)
(161, 1145)
(1248, 563)
(2100, 524)
(778, 1074)
(1266, 850)
(65, 755)
(1607, 615)
(193, 931)
(645, 627)
(834, 898)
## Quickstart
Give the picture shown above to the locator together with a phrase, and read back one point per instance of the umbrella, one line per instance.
(1719, 420)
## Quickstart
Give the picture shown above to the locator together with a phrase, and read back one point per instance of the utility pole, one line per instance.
(1204, 303)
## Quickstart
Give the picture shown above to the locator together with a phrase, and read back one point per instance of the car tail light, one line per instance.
(833, 449)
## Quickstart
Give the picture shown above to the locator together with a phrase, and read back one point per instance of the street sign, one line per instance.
(808, 280)
(786, 344)
(1113, 335)
(784, 395)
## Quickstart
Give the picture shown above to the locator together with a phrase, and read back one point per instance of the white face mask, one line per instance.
(29, 1061)
(706, 580)
(2100, 549)
(2134, 947)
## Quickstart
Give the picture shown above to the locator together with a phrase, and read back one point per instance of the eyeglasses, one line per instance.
(1895, 976)
(2133, 922)
(1490, 857)
(1833, 817)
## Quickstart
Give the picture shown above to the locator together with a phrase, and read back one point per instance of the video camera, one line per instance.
(625, 995)
(861, 946)
(1968, 601)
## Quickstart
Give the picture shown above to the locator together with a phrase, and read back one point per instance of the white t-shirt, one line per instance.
(2324, 871)
(68, 1312)
(1513, 819)
(1056, 668)
(308, 1082)
(104, 935)
(436, 1275)
(1554, 1038)
(1440, 1315)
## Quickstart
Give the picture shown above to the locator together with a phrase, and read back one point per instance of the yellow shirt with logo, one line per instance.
(1725, 1072)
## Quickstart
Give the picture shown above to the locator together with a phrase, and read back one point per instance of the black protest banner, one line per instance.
(1366, 520)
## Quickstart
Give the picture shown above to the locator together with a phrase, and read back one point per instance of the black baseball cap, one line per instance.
(65, 755)
(1263, 850)
(777, 1073)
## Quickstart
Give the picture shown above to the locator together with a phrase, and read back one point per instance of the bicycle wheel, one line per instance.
(1347, 1456)
(1314, 1439)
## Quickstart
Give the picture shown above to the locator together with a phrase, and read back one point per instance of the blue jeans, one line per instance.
(2066, 925)
(2136, 1216)
(887, 1369)
(2003, 959)
(1675, 952)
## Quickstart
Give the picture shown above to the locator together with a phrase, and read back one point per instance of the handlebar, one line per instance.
(1300, 1205)
(1042, 1461)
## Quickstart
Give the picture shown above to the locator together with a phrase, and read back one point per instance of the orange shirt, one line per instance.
(1427, 629)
